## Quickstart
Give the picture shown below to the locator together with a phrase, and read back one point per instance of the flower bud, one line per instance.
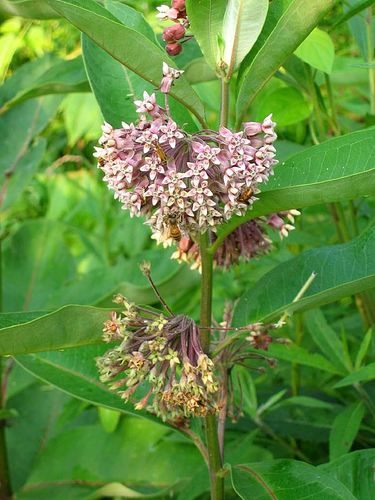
(173, 33)
(173, 49)
(178, 4)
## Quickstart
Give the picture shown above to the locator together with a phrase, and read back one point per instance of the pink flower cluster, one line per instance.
(190, 182)
(174, 35)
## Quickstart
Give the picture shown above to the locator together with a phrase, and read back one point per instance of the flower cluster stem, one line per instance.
(214, 460)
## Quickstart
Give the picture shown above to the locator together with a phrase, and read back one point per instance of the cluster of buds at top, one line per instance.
(174, 35)
(184, 183)
(164, 351)
(249, 240)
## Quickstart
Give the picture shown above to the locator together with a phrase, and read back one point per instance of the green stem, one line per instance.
(335, 122)
(224, 104)
(214, 460)
(370, 49)
(315, 102)
(5, 486)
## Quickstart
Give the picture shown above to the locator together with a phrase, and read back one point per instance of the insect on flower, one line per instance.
(174, 230)
(160, 152)
(245, 195)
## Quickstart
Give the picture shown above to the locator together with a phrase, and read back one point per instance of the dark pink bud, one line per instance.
(173, 49)
(178, 4)
(173, 33)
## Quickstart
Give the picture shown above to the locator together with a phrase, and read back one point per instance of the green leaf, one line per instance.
(342, 270)
(126, 45)
(109, 419)
(293, 26)
(20, 125)
(305, 401)
(295, 354)
(82, 117)
(355, 471)
(363, 375)
(338, 169)
(41, 264)
(69, 326)
(32, 9)
(287, 106)
(344, 430)
(206, 21)
(353, 11)
(61, 78)
(325, 338)
(317, 50)
(286, 480)
(22, 176)
(198, 70)
(362, 351)
(243, 21)
(118, 490)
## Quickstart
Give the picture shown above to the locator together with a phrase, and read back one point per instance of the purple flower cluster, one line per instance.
(166, 353)
(192, 181)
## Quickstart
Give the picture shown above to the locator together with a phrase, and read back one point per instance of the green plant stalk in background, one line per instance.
(370, 47)
(5, 486)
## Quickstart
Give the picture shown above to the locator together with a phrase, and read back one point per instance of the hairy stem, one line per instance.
(214, 460)
(224, 104)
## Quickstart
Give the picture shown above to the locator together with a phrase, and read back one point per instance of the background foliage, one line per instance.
(67, 247)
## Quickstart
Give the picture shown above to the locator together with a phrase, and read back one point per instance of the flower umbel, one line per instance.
(193, 181)
(164, 351)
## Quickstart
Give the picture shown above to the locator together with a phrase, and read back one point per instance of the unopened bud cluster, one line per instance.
(186, 182)
(174, 35)
(249, 240)
(166, 353)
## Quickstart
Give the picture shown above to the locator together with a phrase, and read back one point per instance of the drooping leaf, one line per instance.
(126, 45)
(287, 106)
(243, 21)
(344, 430)
(63, 77)
(67, 327)
(82, 117)
(364, 374)
(351, 12)
(317, 50)
(341, 270)
(32, 9)
(293, 26)
(339, 169)
(206, 20)
(286, 480)
(355, 471)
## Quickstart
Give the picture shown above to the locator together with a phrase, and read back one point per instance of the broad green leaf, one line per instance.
(63, 77)
(286, 480)
(325, 338)
(243, 21)
(36, 261)
(206, 21)
(118, 490)
(352, 11)
(126, 45)
(358, 27)
(22, 176)
(342, 270)
(8, 45)
(117, 87)
(287, 106)
(355, 471)
(135, 447)
(80, 376)
(198, 70)
(295, 354)
(293, 26)
(344, 430)
(32, 9)
(20, 125)
(82, 117)
(362, 375)
(338, 169)
(67, 327)
(317, 50)
(362, 351)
